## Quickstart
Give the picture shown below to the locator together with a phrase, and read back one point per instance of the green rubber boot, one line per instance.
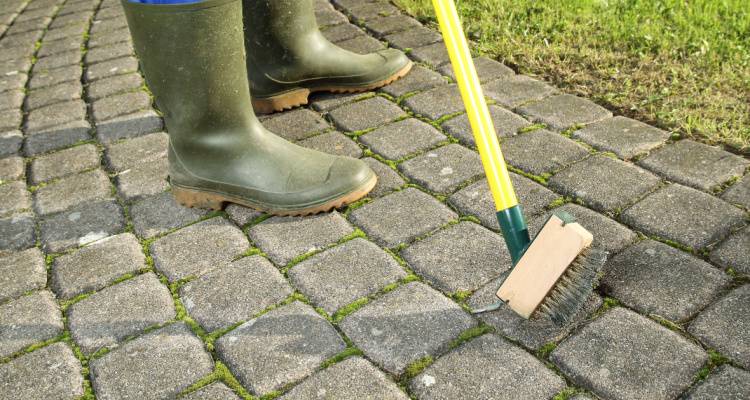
(194, 61)
(288, 57)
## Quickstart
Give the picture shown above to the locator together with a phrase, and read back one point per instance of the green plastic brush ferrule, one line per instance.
(515, 231)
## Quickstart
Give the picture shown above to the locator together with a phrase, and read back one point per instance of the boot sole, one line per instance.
(193, 198)
(300, 97)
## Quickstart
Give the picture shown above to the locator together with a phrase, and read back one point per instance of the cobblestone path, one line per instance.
(110, 290)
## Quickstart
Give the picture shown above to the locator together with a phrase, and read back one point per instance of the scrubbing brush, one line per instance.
(554, 274)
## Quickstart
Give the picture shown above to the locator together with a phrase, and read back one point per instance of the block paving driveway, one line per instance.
(110, 290)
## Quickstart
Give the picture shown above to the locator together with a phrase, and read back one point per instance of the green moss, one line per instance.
(342, 312)
(471, 333)
(532, 128)
(220, 374)
(566, 394)
(348, 352)
(417, 367)
(546, 349)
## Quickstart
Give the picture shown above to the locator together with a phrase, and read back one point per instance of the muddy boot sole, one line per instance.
(300, 97)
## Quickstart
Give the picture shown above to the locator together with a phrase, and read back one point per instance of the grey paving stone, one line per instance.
(296, 124)
(361, 45)
(530, 333)
(460, 258)
(725, 326)
(433, 55)
(31, 14)
(487, 69)
(654, 278)
(10, 120)
(608, 234)
(622, 355)
(14, 198)
(17, 232)
(726, 382)
(513, 91)
(280, 347)
(402, 216)
(696, 164)
(732, 253)
(345, 273)
(403, 138)
(335, 143)
(107, 317)
(505, 122)
(353, 378)
(476, 199)
(12, 100)
(684, 215)
(604, 183)
(21, 272)
(55, 114)
(36, 24)
(388, 179)
(418, 79)
(72, 18)
(107, 38)
(129, 153)
(341, 32)
(444, 169)
(55, 76)
(63, 163)
(326, 101)
(214, 391)
(96, 265)
(413, 38)
(563, 111)
(56, 137)
(52, 372)
(66, 93)
(284, 238)
(542, 152)
(66, 31)
(14, 66)
(493, 368)
(63, 59)
(85, 223)
(405, 325)
(28, 320)
(367, 11)
(127, 126)
(329, 16)
(158, 365)
(198, 248)
(623, 136)
(13, 81)
(241, 215)
(154, 215)
(12, 168)
(100, 26)
(437, 102)
(114, 67)
(391, 24)
(53, 47)
(364, 114)
(113, 85)
(739, 193)
(146, 179)
(71, 191)
(109, 12)
(121, 104)
(234, 293)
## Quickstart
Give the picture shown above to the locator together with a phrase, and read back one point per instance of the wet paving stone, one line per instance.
(583, 180)
(28, 320)
(17, 232)
(14, 198)
(71, 191)
(158, 365)
(353, 378)
(413, 38)
(214, 391)
(345, 273)
(425, 104)
(280, 347)
(739, 193)
(725, 382)
(493, 368)
(63, 163)
(335, 143)
(21, 272)
(388, 179)
(143, 180)
(364, 114)
(542, 152)
(564, 111)
(732, 253)
(402, 138)
(654, 278)
(695, 164)
(160, 213)
(52, 372)
(622, 355)
(684, 215)
(198, 248)
(513, 91)
(505, 122)
(80, 225)
(284, 238)
(444, 169)
(234, 293)
(460, 258)
(96, 265)
(725, 326)
(418, 79)
(296, 124)
(406, 325)
(129, 153)
(401, 217)
(623, 136)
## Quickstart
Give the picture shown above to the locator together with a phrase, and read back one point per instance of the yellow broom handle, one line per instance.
(476, 107)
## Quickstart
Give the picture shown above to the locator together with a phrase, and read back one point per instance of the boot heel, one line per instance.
(196, 199)
(281, 102)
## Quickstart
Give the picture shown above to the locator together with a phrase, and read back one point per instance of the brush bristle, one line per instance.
(573, 288)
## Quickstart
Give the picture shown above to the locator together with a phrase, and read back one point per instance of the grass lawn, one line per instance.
(678, 64)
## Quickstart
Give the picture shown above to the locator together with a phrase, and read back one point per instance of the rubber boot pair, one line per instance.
(193, 58)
